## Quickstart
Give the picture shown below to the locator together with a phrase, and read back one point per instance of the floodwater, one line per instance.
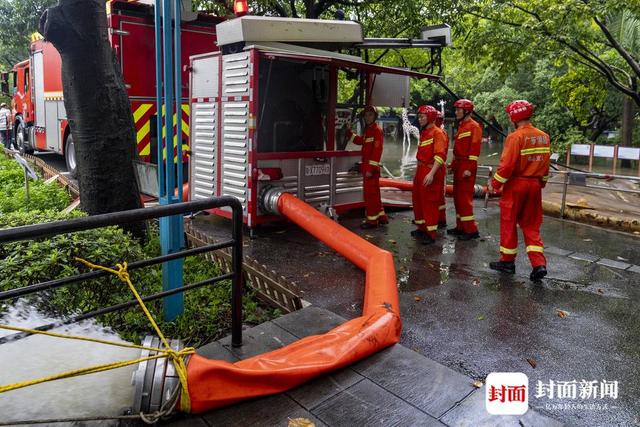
(104, 394)
(400, 159)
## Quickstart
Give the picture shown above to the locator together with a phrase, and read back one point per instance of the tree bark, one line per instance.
(628, 112)
(97, 105)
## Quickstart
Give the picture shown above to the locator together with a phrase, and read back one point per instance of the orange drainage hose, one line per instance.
(408, 186)
(216, 383)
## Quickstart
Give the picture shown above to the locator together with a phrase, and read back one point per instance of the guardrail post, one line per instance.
(591, 149)
(564, 193)
(238, 277)
(615, 158)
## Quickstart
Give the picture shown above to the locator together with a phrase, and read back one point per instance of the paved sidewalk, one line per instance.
(458, 312)
(394, 387)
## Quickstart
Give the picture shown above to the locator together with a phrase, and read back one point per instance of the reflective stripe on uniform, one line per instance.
(375, 217)
(438, 159)
(419, 221)
(467, 218)
(370, 139)
(535, 150)
(473, 158)
(426, 142)
(498, 178)
(432, 227)
(533, 248)
(464, 135)
(373, 163)
(508, 251)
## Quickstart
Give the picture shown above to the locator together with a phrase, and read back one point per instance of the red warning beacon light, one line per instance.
(240, 7)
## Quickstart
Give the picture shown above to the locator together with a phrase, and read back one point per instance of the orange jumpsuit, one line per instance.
(371, 142)
(466, 150)
(427, 199)
(524, 170)
(442, 219)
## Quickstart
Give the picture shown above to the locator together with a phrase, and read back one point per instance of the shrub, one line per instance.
(207, 310)
(13, 194)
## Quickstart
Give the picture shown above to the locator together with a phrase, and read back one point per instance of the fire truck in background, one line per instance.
(39, 117)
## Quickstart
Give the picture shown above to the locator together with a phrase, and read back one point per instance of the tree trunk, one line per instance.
(97, 105)
(628, 113)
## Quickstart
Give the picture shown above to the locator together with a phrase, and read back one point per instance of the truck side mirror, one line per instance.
(4, 84)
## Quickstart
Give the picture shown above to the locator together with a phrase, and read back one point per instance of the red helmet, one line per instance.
(439, 119)
(465, 104)
(429, 111)
(371, 109)
(519, 110)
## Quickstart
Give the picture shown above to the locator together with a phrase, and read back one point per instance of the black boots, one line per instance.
(455, 232)
(417, 233)
(469, 236)
(503, 266)
(538, 273)
(509, 267)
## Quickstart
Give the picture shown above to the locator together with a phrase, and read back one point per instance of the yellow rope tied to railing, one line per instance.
(177, 357)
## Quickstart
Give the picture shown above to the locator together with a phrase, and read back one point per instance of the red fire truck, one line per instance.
(39, 117)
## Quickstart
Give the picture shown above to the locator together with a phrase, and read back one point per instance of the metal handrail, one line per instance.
(566, 184)
(37, 231)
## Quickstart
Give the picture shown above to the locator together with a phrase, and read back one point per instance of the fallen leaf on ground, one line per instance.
(476, 282)
(588, 240)
(477, 384)
(368, 236)
(562, 313)
(417, 298)
(600, 291)
(301, 422)
(480, 317)
(533, 363)
(392, 241)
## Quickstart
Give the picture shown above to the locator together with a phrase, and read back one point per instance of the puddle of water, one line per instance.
(103, 394)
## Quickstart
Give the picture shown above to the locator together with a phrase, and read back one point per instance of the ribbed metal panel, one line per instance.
(235, 75)
(235, 150)
(204, 134)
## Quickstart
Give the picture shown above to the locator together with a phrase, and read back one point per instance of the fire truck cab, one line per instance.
(269, 111)
(39, 116)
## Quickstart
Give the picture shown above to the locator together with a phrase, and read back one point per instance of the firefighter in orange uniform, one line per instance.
(442, 219)
(371, 142)
(466, 149)
(428, 183)
(523, 171)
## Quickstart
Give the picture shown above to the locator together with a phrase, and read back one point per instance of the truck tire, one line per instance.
(70, 156)
(22, 140)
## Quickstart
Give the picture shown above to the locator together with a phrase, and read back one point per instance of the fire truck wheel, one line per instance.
(70, 156)
(22, 141)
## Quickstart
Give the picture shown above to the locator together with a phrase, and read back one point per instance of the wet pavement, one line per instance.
(581, 323)
(396, 386)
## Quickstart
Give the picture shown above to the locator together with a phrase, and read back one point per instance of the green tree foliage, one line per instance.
(18, 21)
(600, 36)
